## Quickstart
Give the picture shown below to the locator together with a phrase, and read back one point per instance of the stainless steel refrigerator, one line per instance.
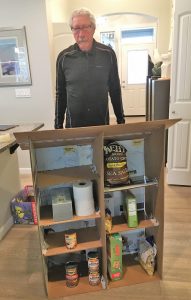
(157, 101)
(157, 98)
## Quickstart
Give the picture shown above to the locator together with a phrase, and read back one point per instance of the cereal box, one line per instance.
(114, 252)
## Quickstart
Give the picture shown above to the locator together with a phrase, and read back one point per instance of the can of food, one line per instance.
(72, 277)
(70, 239)
(94, 277)
(93, 261)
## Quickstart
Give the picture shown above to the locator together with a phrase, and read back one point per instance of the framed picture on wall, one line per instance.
(14, 61)
(108, 38)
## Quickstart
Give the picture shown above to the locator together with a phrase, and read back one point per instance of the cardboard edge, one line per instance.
(24, 138)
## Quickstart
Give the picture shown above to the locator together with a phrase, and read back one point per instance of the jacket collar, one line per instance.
(76, 47)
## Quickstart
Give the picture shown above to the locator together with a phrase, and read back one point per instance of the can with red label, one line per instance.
(72, 277)
(94, 277)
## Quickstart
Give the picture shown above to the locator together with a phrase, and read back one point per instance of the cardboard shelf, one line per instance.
(87, 238)
(133, 274)
(79, 247)
(57, 289)
(46, 218)
(120, 225)
(129, 186)
(65, 175)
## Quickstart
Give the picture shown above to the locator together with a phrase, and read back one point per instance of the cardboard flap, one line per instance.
(85, 135)
(58, 137)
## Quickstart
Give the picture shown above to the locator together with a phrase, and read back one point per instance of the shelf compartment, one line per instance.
(133, 274)
(129, 186)
(47, 220)
(56, 280)
(87, 238)
(65, 176)
(57, 289)
(120, 224)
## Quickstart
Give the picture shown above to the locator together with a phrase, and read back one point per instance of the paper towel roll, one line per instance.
(83, 198)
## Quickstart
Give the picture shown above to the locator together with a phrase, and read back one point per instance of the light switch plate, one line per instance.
(23, 93)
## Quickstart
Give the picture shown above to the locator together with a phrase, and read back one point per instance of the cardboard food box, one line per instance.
(114, 252)
(130, 209)
(23, 207)
(61, 204)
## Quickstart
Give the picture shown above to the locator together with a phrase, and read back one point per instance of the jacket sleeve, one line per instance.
(61, 96)
(115, 90)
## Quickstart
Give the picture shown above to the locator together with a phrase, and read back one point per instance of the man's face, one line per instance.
(83, 32)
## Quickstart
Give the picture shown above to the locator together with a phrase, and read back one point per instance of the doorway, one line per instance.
(134, 38)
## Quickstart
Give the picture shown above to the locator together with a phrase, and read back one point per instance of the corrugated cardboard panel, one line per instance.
(48, 138)
(151, 165)
(58, 137)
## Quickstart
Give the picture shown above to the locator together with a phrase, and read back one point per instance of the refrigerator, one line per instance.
(157, 98)
(157, 101)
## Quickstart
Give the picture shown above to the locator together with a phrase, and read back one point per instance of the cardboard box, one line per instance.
(130, 209)
(61, 204)
(23, 207)
(153, 133)
(114, 252)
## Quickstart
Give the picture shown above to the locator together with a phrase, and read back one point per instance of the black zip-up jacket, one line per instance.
(84, 80)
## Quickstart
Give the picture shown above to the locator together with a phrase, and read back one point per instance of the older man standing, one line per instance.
(87, 74)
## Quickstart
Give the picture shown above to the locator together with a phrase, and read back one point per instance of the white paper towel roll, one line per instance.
(83, 198)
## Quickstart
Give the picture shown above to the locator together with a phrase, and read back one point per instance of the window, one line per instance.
(137, 66)
(144, 35)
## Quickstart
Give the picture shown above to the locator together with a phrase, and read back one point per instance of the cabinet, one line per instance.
(63, 157)
(9, 173)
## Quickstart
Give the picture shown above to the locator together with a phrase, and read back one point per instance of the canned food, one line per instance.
(94, 278)
(72, 277)
(93, 261)
(71, 239)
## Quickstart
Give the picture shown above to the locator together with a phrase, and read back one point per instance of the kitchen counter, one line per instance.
(9, 172)
(17, 128)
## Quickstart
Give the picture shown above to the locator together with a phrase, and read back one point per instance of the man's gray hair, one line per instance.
(83, 12)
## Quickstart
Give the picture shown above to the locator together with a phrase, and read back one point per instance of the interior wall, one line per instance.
(40, 106)
(37, 16)
(161, 9)
(59, 10)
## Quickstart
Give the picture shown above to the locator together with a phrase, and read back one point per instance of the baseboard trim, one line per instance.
(5, 227)
(24, 171)
(134, 116)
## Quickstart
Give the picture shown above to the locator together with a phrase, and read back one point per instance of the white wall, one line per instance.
(160, 9)
(40, 106)
(33, 14)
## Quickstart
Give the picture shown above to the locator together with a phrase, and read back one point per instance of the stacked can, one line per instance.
(72, 277)
(93, 266)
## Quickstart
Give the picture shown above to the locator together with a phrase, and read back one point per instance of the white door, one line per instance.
(179, 145)
(134, 70)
